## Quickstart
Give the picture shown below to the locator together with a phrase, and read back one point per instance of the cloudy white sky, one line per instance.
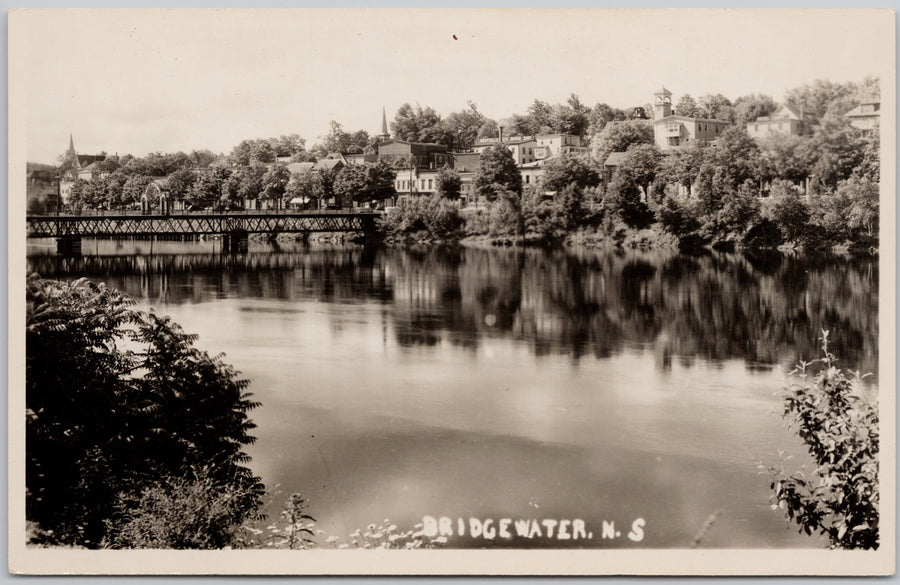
(137, 81)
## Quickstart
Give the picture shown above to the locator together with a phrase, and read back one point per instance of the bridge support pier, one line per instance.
(68, 246)
(235, 242)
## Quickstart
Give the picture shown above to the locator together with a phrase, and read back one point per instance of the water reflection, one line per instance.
(765, 310)
(501, 383)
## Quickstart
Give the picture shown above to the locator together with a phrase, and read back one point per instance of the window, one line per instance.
(527, 179)
(429, 184)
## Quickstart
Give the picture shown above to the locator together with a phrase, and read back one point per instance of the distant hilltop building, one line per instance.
(671, 130)
(786, 120)
(531, 149)
(866, 115)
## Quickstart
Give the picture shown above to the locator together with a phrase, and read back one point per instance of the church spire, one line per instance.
(384, 127)
(71, 144)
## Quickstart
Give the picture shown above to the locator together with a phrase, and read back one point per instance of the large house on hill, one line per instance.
(786, 120)
(866, 115)
(671, 130)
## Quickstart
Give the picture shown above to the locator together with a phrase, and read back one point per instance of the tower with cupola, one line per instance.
(662, 104)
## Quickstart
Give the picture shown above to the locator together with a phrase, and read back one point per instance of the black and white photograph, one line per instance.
(452, 291)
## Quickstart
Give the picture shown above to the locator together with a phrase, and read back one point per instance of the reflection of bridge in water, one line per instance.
(54, 266)
(235, 227)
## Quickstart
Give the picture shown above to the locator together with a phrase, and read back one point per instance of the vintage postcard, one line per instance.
(452, 291)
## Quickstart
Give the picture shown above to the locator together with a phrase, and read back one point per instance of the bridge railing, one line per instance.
(237, 212)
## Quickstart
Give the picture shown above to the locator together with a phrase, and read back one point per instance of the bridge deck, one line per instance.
(123, 224)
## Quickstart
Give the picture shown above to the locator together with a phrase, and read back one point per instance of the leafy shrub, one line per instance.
(181, 513)
(840, 429)
(118, 401)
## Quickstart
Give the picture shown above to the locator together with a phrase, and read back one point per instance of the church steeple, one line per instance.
(384, 126)
(71, 144)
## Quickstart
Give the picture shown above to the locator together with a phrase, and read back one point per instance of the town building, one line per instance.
(866, 115)
(671, 130)
(550, 145)
(333, 162)
(785, 120)
(521, 147)
(528, 149)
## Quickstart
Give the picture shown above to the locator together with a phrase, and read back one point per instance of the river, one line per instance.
(398, 383)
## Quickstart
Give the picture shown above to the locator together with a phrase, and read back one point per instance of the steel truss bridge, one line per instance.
(116, 225)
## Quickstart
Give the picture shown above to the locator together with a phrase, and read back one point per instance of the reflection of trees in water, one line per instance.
(765, 309)
(340, 274)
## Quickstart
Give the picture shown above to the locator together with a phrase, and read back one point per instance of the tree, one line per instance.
(750, 107)
(210, 188)
(619, 136)
(449, 183)
(180, 183)
(134, 188)
(731, 216)
(682, 166)
(870, 166)
(687, 106)
(418, 124)
(115, 190)
(716, 107)
(736, 156)
(518, 125)
(623, 199)
(823, 97)
(642, 163)
(307, 185)
(337, 140)
(571, 117)
(250, 181)
(488, 129)
(462, 128)
(838, 149)
(850, 213)
(601, 115)
(275, 181)
(497, 171)
(540, 117)
(168, 408)
(790, 157)
(202, 158)
(364, 183)
(786, 210)
(568, 169)
(839, 426)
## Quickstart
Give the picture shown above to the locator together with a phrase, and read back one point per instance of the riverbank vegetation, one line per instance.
(730, 194)
(838, 423)
(134, 437)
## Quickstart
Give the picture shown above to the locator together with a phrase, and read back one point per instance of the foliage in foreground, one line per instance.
(121, 410)
(840, 429)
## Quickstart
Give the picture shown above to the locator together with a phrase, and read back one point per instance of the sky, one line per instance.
(138, 81)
